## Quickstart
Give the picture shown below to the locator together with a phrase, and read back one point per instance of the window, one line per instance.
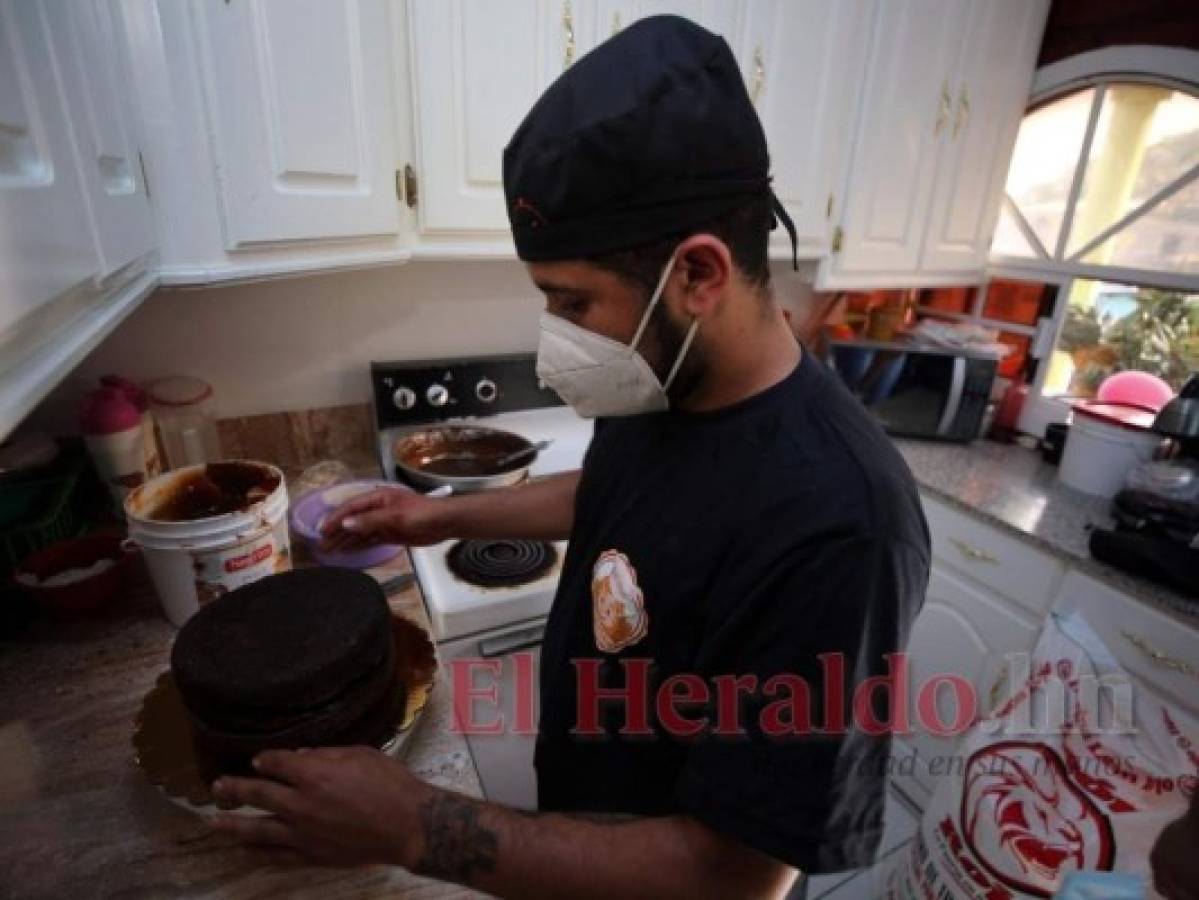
(1113, 327)
(1101, 209)
(1107, 176)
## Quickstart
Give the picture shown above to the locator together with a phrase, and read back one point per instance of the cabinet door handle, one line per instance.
(1161, 657)
(759, 75)
(973, 552)
(568, 35)
(962, 118)
(943, 109)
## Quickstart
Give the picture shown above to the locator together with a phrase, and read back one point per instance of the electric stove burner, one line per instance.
(500, 563)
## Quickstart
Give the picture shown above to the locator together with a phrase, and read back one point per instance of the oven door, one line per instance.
(508, 660)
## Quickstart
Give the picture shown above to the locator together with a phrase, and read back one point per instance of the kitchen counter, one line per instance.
(78, 819)
(1012, 487)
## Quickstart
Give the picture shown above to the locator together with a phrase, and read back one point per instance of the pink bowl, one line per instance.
(1135, 389)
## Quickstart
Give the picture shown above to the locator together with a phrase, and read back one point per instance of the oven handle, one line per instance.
(503, 644)
(957, 388)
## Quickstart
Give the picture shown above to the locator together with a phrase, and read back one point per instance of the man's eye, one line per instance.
(571, 307)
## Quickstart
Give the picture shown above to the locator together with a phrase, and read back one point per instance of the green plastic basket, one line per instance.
(54, 513)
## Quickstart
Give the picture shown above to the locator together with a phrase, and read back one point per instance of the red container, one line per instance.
(78, 597)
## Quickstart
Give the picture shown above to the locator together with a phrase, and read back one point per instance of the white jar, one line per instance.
(182, 408)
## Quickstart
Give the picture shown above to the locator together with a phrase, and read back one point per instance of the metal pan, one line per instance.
(461, 457)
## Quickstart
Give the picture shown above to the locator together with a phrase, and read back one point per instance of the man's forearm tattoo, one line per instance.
(457, 845)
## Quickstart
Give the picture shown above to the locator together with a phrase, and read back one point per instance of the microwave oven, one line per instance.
(918, 391)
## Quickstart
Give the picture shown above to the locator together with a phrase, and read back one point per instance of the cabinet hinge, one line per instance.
(406, 185)
(828, 207)
(141, 164)
(838, 237)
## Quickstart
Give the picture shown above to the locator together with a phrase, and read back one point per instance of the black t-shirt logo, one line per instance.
(618, 614)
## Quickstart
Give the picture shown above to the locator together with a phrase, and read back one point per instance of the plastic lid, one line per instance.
(1131, 417)
(179, 390)
(131, 389)
(108, 411)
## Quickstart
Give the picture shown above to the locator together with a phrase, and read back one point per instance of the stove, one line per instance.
(476, 588)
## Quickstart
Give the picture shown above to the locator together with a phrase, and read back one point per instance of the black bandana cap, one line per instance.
(649, 134)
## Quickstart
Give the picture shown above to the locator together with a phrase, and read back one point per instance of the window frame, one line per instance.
(1170, 67)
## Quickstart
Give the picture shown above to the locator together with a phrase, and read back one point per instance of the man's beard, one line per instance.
(668, 337)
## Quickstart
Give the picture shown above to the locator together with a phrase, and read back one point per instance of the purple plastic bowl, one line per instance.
(307, 514)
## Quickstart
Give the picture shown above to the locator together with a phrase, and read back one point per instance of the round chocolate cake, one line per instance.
(300, 659)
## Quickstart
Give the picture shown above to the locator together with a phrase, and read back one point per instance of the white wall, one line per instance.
(301, 343)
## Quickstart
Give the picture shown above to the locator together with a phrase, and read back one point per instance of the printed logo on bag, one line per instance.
(618, 615)
(1027, 820)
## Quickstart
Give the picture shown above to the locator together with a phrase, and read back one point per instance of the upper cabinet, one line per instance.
(478, 67)
(995, 69)
(302, 118)
(90, 45)
(803, 61)
(286, 136)
(946, 83)
(46, 246)
(277, 134)
(75, 230)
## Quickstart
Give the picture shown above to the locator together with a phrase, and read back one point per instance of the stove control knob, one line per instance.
(486, 390)
(404, 398)
(438, 395)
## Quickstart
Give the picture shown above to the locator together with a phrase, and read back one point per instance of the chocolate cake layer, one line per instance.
(301, 659)
(285, 644)
(373, 727)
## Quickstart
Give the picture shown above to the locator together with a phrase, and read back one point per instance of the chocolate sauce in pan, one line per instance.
(217, 489)
(460, 452)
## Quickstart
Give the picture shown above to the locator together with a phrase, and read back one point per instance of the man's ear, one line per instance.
(703, 270)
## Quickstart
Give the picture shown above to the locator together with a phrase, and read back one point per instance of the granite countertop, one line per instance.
(77, 817)
(1012, 487)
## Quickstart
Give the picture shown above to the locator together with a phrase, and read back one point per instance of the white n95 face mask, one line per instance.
(602, 377)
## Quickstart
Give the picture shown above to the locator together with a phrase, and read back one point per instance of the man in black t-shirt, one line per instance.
(746, 546)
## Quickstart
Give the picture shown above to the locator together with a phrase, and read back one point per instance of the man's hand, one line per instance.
(385, 516)
(339, 807)
(355, 806)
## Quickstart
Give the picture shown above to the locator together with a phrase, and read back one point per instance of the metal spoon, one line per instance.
(531, 452)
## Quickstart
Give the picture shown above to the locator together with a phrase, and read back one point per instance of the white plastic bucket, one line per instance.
(194, 562)
(1098, 455)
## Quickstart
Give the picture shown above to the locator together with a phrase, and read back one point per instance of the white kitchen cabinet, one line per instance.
(995, 70)
(46, 245)
(906, 107)
(69, 198)
(946, 83)
(1160, 651)
(91, 50)
(1002, 563)
(966, 631)
(804, 61)
(478, 67)
(301, 103)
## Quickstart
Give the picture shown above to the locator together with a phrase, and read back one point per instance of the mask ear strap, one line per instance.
(678, 360)
(653, 301)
